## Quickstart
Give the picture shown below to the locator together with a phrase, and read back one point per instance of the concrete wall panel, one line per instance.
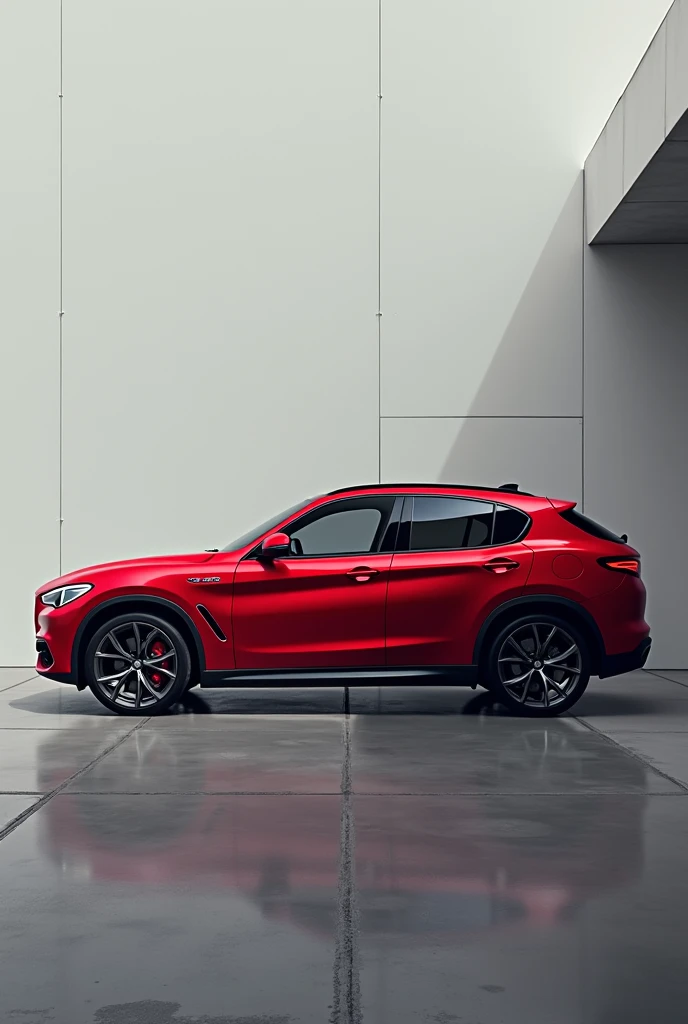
(29, 340)
(220, 168)
(604, 173)
(676, 63)
(644, 107)
(542, 455)
(636, 419)
(220, 352)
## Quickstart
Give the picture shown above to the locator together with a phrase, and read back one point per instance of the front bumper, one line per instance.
(56, 629)
(617, 664)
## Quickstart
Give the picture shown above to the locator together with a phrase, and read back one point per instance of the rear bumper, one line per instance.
(617, 664)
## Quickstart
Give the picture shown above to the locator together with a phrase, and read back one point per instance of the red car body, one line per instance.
(386, 612)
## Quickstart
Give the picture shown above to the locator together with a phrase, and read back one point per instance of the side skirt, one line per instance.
(450, 675)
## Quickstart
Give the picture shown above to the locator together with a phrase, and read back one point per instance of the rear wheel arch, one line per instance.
(136, 603)
(538, 604)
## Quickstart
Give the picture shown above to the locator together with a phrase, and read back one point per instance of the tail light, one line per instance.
(627, 565)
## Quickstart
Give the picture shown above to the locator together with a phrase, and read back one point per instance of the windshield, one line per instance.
(258, 531)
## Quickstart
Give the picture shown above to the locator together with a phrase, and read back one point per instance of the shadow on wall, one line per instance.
(636, 419)
(524, 423)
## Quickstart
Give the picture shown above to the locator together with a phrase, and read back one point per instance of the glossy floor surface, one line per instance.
(388, 856)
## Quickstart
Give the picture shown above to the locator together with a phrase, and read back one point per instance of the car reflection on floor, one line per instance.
(435, 865)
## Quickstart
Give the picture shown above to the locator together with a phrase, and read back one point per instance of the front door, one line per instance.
(324, 606)
(460, 563)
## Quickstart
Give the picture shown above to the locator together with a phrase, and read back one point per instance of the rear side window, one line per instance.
(442, 523)
(589, 526)
(510, 525)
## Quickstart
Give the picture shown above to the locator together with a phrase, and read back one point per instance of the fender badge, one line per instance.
(203, 579)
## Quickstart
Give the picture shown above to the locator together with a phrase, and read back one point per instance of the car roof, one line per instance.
(507, 494)
(503, 489)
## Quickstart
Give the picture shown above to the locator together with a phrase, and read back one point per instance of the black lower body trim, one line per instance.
(58, 677)
(45, 656)
(617, 664)
(451, 675)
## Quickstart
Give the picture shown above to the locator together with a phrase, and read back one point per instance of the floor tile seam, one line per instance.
(501, 793)
(20, 683)
(659, 675)
(34, 728)
(47, 797)
(197, 792)
(439, 795)
(634, 754)
(346, 988)
(653, 732)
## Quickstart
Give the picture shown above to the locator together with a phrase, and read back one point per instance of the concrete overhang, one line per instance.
(636, 177)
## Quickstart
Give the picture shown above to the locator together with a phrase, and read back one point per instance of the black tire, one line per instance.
(515, 667)
(147, 681)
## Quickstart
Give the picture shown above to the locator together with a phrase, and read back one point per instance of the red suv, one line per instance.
(496, 586)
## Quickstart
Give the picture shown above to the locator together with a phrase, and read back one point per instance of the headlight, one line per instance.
(63, 595)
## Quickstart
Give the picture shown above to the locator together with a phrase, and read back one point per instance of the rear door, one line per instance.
(456, 559)
(323, 607)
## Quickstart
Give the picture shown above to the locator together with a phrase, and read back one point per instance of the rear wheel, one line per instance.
(538, 665)
(137, 665)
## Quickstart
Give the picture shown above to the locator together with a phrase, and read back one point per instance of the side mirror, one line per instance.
(277, 545)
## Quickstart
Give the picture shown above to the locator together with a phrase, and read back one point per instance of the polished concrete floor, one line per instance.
(387, 856)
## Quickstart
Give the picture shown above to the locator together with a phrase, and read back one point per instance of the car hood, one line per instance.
(90, 572)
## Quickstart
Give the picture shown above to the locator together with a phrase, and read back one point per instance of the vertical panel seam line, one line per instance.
(583, 245)
(379, 241)
(61, 312)
(623, 146)
(666, 69)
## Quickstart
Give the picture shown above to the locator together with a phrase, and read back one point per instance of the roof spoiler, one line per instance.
(560, 505)
(514, 488)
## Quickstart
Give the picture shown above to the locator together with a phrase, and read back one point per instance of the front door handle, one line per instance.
(500, 565)
(361, 574)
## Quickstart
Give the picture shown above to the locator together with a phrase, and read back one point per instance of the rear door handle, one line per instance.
(362, 573)
(500, 565)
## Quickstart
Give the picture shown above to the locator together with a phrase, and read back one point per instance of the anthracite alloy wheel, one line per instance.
(538, 665)
(137, 664)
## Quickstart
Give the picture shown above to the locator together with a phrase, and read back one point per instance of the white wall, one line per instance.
(484, 132)
(220, 264)
(29, 303)
(220, 283)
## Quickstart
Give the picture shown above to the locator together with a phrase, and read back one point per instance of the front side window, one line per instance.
(442, 523)
(346, 527)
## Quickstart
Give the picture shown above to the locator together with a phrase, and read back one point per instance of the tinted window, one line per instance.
(589, 526)
(510, 524)
(450, 523)
(351, 526)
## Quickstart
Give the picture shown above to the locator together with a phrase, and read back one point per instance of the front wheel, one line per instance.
(538, 665)
(137, 664)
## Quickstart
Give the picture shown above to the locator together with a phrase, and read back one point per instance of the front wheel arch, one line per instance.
(136, 603)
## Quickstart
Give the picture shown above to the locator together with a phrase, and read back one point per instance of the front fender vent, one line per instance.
(211, 622)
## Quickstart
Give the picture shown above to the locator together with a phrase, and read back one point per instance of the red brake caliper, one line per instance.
(157, 649)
